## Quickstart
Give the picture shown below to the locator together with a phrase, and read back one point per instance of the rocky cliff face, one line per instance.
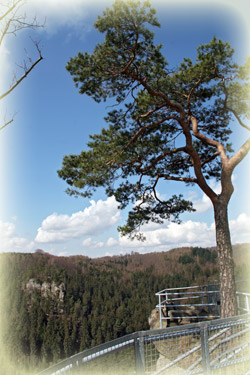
(47, 289)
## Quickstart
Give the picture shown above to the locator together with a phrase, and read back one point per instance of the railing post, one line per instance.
(202, 295)
(238, 303)
(160, 311)
(139, 355)
(247, 303)
(205, 349)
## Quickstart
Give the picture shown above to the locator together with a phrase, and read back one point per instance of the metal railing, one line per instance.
(243, 302)
(207, 347)
(197, 299)
(183, 299)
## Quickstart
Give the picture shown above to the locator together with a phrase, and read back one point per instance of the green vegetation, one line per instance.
(53, 307)
(185, 259)
(205, 255)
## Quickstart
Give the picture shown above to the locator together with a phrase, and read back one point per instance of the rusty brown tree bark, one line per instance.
(225, 261)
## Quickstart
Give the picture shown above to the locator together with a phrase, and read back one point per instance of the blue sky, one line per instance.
(52, 120)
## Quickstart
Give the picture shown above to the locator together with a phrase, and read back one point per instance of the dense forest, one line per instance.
(53, 307)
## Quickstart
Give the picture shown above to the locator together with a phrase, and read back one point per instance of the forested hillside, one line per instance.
(54, 307)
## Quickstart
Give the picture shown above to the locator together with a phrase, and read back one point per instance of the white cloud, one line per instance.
(159, 238)
(87, 242)
(240, 228)
(188, 233)
(6, 229)
(63, 254)
(62, 13)
(95, 219)
(4, 66)
(10, 241)
(108, 254)
(90, 243)
(93, 244)
(98, 244)
(204, 203)
(185, 234)
(112, 242)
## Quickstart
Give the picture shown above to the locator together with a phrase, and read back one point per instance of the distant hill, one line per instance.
(54, 306)
(170, 262)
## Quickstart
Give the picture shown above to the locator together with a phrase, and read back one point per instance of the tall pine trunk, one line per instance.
(228, 302)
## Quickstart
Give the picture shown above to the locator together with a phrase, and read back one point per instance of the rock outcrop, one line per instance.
(47, 289)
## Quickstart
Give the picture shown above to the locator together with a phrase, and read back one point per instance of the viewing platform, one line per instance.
(195, 303)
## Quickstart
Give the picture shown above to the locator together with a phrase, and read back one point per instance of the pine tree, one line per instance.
(168, 125)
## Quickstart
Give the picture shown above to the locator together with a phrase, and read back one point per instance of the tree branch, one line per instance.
(239, 155)
(154, 190)
(10, 9)
(143, 81)
(147, 114)
(11, 22)
(238, 118)
(208, 141)
(182, 179)
(196, 158)
(190, 94)
(170, 104)
(210, 159)
(142, 129)
(11, 13)
(6, 124)
(27, 71)
(161, 157)
(231, 109)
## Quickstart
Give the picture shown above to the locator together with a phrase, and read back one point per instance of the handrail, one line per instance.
(204, 293)
(142, 337)
(88, 354)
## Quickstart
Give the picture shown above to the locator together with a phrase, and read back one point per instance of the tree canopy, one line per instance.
(167, 124)
(151, 134)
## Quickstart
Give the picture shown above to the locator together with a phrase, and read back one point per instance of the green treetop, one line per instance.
(167, 125)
